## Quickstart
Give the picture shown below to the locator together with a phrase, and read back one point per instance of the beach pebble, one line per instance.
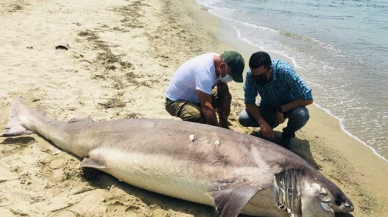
(148, 83)
(62, 46)
(57, 152)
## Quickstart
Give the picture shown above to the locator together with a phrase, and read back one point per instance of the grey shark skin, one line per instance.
(234, 172)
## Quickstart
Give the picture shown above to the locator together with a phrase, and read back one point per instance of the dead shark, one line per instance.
(234, 172)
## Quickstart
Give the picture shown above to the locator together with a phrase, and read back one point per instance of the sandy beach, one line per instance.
(113, 60)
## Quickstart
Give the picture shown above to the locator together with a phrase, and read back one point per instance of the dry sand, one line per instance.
(120, 58)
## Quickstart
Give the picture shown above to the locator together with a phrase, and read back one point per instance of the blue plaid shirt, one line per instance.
(286, 86)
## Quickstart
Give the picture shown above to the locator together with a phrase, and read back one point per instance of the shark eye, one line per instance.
(338, 200)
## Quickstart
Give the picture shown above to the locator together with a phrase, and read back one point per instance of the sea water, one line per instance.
(339, 47)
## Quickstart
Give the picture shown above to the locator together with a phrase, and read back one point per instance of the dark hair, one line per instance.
(258, 59)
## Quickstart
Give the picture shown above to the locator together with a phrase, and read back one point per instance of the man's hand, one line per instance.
(207, 108)
(280, 117)
(266, 130)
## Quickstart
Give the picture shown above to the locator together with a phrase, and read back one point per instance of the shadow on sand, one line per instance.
(298, 146)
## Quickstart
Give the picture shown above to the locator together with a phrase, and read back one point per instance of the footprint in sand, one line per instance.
(57, 162)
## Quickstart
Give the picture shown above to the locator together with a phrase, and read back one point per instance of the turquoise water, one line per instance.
(340, 48)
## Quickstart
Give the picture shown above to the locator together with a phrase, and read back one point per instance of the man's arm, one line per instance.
(207, 108)
(266, 130)
(291, 105)
(299, 89)
(250, 94)
(295, 104)
(224, 109)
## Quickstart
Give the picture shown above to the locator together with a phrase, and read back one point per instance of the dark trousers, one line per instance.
(297, 118)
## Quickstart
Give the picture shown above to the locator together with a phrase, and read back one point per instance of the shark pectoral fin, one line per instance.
(229, 202)
(87, 119)
(92, 163)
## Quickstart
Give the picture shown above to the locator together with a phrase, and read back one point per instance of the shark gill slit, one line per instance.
(288, 190)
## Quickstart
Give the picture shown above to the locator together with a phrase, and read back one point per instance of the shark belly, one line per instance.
(159, 174)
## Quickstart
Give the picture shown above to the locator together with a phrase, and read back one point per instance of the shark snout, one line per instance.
(343, 206)
(347, 207)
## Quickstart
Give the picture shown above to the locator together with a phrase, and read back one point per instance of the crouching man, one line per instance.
(284, 95)
(199, 88)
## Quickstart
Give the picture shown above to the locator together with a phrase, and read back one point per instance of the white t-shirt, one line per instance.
(197, 73)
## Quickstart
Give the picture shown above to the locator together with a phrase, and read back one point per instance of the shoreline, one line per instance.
(236, 41)
(230, 35)
(328, 112)
(144, 43)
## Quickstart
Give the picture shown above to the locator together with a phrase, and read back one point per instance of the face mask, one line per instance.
(261, 79)
(226, 79)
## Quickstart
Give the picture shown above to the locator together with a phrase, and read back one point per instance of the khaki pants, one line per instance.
(190, 111)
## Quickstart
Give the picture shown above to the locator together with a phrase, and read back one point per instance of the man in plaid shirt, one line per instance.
(283, 94)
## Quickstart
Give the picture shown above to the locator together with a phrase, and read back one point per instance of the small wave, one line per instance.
(316, 84)
(208, 3)
(304, 38)
(348, 133)
(249, 25)
(239, 35)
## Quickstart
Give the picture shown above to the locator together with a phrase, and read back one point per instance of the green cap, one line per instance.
(235, 62)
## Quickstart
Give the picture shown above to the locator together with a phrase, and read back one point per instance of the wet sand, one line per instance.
(115, 61)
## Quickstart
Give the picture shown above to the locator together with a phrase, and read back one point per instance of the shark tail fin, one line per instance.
(15, 126)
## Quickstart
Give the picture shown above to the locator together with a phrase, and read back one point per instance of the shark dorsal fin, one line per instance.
(229, 202)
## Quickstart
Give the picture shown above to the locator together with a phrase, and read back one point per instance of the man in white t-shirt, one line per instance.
(199, 87)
